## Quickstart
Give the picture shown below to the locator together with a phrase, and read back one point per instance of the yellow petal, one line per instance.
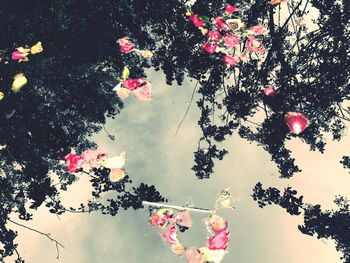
(23, 50)
(37, 48)
(19, 82)
(123, 93)
(116, 174)
(2, 95)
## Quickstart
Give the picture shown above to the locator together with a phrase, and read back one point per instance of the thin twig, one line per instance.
(188, 108)
(41, 233)
(195, 209)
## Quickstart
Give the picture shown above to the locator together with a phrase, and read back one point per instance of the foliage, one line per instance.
(330, 224)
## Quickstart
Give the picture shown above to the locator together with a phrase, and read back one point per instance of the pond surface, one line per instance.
(154, 155)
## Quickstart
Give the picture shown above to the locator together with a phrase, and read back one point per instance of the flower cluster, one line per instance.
(216, 246)
(127, 46)
(140, 87)
(21, 54)
(90, 159)
(228, 36)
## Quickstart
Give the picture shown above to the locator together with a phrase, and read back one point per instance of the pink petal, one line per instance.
(231, 60)
(231, 40)
(210, 47)
(197, 22)
(296, 122)
(221, 24)
(132, 84)
(184, 218)
(73, 162)
(270, 91)
(170, 235)
(214, 35)
(17, 55)
(144, 93)
(219, 240)
(126, 45)
(193, 255)
(231, 8)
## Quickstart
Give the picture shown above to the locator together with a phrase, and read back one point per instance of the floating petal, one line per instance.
(296, 122)
(19, 82)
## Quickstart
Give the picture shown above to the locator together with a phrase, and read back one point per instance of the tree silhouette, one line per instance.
(329, 224)
(69, 91)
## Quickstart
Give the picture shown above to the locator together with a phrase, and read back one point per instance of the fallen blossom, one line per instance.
(296, 122)
(37, 48)
(115, 162)
(259, 30)
(219, 240)
(221, 24)
(132, 84)
(193, 255)
(217, 223)
(270, 91)
(126, 45)
(254, 44)
(19, 82)
(231, 60)
(144, 93)
(214, 35)
(214, 256)
(197, 22)
(177, 248)
(21, 54)
(73, 162)
(231, 40)
(210, 47)
(170, 235)
(230, 8)
(183, 218)
(116, 174)
(234, 24)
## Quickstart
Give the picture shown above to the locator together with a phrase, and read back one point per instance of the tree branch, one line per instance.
(57, 243)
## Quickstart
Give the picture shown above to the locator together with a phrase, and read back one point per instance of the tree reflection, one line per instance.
(69, 94)
(329, 224)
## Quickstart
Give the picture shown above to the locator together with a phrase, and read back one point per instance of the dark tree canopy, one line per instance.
(69, 93)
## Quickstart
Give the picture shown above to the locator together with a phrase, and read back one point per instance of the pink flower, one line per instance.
(126, 45)
(231, 8)
(210, 47)
(132, 84)
(219, 240)
(218, 223)
(231, 60)
(231, 40)
(254, 44)
(183, 218)
(193, 255)
(259, 30)
(221, 24)
(196, 20)
(270, 91)
(170, 235)
(296, 122)
(73, 162)
(214, 35)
